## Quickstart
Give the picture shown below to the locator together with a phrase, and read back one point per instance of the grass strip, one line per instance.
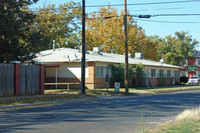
(39, 98)
(163, 89)
(133, 91)
(186, 122)
(187, 126)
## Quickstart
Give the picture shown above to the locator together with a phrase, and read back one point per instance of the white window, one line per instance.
(153, 72)
(186, 62)
(161, 73)
(169, 73)
(147, 73)
(176, 74)
(183, 74)
(198, 62)
(99, 71)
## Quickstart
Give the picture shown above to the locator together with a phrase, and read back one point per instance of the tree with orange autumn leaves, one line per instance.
(105, 29)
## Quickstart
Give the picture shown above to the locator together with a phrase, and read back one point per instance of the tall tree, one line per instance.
(174, 49)
(60, 23)
(105, 29)
(17, 40)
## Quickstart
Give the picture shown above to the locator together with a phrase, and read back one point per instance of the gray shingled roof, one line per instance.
(74, 55)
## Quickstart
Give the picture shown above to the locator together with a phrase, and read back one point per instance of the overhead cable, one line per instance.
(157, 21)
(151, 3)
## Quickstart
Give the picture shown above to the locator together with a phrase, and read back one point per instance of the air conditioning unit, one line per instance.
(139, 55)
(96, 50)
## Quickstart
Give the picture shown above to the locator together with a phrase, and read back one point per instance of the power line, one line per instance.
(158, 15)
(175, 8)
(167, 21)
(153, 3)
(176, 15)
(180, 22)
(148, 9)
(107, 18)
(163, 15)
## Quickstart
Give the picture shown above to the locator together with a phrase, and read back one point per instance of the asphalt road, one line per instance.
(112, 115)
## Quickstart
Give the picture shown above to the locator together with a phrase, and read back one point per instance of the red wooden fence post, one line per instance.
(16, 77)
(41, 78)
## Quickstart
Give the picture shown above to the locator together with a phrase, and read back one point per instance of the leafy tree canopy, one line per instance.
(17, 39)
(61, 24)
(106, 29)
(174, 49)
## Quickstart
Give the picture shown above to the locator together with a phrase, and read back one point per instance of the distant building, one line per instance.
(64, 66)
(192, 66)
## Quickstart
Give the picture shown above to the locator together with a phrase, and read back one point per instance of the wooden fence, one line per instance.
(29, 79)
(6, 79)
(21, 79)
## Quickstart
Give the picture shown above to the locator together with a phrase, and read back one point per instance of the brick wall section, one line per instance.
(41, 82)
(91, 75)
(100, 83)
(16, 78)
(159, 81)
(163, 81)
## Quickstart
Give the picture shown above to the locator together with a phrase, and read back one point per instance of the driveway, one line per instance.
(111, 115)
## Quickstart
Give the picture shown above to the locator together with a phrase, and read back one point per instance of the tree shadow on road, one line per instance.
(108, 110)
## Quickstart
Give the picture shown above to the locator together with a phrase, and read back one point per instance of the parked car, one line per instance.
(193, 80)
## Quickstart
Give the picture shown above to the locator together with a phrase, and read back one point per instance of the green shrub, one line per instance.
(184, 79)
(118, 72)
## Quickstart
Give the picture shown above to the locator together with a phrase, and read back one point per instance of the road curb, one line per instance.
(167, 92)
(8, 107)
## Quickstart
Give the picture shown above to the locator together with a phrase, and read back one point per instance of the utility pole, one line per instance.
(126, 47)
(83, 50)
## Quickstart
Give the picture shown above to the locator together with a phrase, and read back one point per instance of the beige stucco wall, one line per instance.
(91, 80)
(66, 70)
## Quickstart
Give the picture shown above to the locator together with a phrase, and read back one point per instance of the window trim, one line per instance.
(169, 73)
(153, 73)
(161, 73)
(198, 62)
(100, 69)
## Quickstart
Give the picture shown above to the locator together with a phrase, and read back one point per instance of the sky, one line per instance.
(160, 25)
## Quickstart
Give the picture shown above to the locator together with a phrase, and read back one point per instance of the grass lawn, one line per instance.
(182, 127)
(186, 122)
